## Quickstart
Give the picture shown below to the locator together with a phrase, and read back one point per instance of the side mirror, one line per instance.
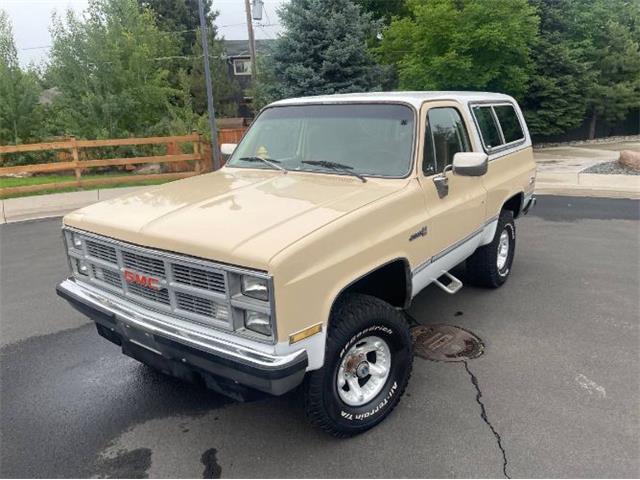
(470, 164)
(227, 148)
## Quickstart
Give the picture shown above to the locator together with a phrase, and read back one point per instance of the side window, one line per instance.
(445, 135)
(488, 128)
(511, 128)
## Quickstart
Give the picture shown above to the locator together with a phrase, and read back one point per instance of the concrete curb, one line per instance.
(56, 204)
(583, 191)
(589, 185)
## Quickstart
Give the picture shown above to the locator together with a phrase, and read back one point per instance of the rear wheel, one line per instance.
(490, 265)
(368, 363)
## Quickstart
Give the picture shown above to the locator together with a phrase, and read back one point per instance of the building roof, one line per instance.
(240, 48)
(414, 98)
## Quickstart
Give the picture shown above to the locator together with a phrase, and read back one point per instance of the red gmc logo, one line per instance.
(142, 280)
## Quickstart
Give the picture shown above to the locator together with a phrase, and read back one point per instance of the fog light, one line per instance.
(82, 268)
(77, 241)
(255, 288)
(257, 322)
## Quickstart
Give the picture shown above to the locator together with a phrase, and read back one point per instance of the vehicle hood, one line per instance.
(236, 216)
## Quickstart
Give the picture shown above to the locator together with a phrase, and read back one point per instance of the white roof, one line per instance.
(414, 98)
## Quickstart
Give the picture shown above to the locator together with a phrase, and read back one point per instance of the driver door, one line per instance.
(459, 212)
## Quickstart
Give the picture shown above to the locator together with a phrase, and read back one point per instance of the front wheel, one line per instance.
(490, 265)
(368, 363)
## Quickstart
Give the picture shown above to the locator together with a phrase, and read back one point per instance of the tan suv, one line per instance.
(292, 264)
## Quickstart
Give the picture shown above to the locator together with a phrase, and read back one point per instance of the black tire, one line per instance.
(482, 266)
(353, 319)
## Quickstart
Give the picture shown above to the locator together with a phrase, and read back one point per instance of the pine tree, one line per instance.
(556, 100)
(323, 50)
(587, 63)
(610, 30)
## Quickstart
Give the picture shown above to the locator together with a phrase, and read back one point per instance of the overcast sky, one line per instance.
(31, 20)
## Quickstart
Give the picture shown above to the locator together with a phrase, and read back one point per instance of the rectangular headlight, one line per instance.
(76, 241)
(257, 322)
(255, 287)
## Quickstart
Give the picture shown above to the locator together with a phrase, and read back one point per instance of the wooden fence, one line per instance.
(73, 157)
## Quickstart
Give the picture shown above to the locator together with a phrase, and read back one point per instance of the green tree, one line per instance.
(20, 114)
(226, 89)
(182, 20)
(111, 71)
(556, 99)
(463, 44)
(384, 9)
(610, 30)
(587, 64)
(323, 50)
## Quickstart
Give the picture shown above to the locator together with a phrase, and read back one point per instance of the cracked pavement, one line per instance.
(554, 395)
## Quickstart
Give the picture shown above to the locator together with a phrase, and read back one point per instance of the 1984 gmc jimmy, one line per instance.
(292, 264)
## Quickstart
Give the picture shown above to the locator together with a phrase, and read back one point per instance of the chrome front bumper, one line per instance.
(182, 349)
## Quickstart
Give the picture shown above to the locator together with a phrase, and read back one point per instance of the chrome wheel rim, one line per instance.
(363, 371)
(503, 250)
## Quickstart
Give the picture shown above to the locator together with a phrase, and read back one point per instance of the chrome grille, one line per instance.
(107, 276)
(180, 286)
(103, 252)
(200, 305)
(143, 264)
(161, 296)
(196, 277)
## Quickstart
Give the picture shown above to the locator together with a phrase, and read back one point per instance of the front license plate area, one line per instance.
(141, 338)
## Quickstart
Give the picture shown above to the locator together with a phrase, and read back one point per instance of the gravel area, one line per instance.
(610, 168)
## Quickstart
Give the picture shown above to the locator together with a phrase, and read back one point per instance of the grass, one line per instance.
(6, 182)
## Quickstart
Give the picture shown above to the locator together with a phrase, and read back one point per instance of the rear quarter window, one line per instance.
(487, 125)
(509, 122)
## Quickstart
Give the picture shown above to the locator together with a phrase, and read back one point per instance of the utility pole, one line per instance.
(252, 40)
(207, 75)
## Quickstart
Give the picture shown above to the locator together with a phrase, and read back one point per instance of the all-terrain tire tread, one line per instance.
(481, 267)
(346, 317)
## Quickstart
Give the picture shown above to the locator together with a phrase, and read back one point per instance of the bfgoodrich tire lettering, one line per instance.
(355, 318)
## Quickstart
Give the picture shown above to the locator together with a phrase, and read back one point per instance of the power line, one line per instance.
(40, 47)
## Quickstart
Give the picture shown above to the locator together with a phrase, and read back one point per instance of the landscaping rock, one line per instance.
(611, 168)
(630, 159)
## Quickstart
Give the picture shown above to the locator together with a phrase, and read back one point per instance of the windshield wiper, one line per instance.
(335, 166)
(269, 161)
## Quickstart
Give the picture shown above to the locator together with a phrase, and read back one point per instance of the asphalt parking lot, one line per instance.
(559, 380)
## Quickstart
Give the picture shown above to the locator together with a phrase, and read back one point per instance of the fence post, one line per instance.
(197, 150)
(76, 159)
(204, 148)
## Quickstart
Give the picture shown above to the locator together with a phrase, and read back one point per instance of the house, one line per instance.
(239, 68)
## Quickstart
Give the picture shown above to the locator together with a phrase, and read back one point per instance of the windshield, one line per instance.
(371, 139)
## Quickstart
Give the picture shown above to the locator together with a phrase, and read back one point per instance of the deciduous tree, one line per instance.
(182, 20)
(111, 69)
(384, 9)
(463, 44)
(20, 115)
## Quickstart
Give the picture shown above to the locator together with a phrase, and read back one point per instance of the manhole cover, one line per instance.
(445, 343)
